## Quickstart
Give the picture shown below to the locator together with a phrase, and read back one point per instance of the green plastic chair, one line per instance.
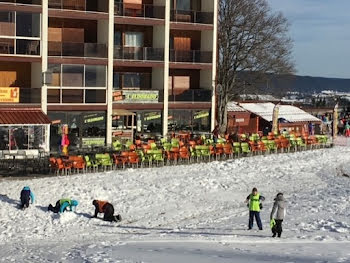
(154, 146)
(300, 143)
(237, 148)
(167, 146)
(117, 146)
(104, 160)
(293, 143)
(245, 148)
(175, 142)
(157, 155)
(90, 165)
(271, 145)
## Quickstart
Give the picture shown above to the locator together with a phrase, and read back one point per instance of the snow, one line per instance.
(189, 213)
(288, 112)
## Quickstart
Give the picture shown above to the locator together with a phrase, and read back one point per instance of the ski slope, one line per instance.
(189, 213)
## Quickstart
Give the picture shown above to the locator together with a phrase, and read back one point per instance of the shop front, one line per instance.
(24, 129)
(84, 129)
(196, 121)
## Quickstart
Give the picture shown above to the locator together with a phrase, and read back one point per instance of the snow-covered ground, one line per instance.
(190, 213)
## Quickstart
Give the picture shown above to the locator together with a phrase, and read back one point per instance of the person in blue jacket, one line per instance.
(26, 196)
(63, 204)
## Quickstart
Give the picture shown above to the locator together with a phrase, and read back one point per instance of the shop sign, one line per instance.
(152, 116)
(201, 115)
(137, 96)
(93, 141)
(93, 118)
(240, 120)
(9, 94)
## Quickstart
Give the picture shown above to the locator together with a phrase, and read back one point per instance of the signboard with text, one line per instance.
(136, 96)
(9, 95)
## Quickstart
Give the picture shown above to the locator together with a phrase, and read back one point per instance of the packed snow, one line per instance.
(187, 213)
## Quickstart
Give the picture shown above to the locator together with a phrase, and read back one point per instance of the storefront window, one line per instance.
(4, 137)
(152, 122)
(201, 121)
(94, 125)
(189, 120)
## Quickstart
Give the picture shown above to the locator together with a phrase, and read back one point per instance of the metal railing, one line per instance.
(80, 5)
(191, 56)
(191, 16)
(144, 11)
(63, 49)
(139, 53)
(20, 47)
(24, 2)
(192, 95)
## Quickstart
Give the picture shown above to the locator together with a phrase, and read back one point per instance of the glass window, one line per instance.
(73, 75)
(132, 80)
(95, 76)
(4, 137)
(7, 46)
(94, 125)
(19, 138)
(28, 47)
(152, 122)
(53, 96)
(28, 24)
(95, 96)
(118, 38)
(73, 121)
(116, 80)
(56, 74)
(180, 120)
(7, 27)
(72, 96)
(183, 5)
(133, 39)
(201, 121)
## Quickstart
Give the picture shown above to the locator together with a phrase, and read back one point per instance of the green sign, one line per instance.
(93, 118)
(93, 141)
(201, 114)
(152, 116)
(139, 96)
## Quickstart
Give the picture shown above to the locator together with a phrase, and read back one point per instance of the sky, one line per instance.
(321, 33)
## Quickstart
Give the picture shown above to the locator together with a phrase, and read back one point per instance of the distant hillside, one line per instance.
(309, 85)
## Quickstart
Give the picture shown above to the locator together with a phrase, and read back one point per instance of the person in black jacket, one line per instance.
(107, 209)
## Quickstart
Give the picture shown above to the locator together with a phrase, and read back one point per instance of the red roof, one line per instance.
(23, 116)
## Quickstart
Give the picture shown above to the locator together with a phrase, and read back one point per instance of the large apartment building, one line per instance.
(111, 68)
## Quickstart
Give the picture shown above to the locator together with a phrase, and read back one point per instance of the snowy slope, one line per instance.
(191, 213)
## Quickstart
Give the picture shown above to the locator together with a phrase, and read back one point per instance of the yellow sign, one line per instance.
(9, 95)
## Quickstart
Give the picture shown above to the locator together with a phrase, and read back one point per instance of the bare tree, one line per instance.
(252, 39)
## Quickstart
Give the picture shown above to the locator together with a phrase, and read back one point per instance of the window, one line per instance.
(116, 80)
(53, 96)
(72, 95)
(117, 38)
(4, 137)
(132, 80)
(56, 74)
(133, 39)
(7, 25)
(73, 75)
(183, 5)
(152, 122)
(95, 96)
(95, 76)
(28, 24)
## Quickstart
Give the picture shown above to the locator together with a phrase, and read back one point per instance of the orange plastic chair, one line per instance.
(261, 147)
(184, 154)
(228, 150)
(133, 158)
(62, 166)
(253, 146)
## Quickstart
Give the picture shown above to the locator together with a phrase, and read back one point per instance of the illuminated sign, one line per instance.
(152, 116)
(9, 95)
(93, 141)
(200, 115)
(93, 118)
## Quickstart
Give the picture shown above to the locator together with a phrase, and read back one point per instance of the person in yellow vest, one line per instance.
(62, 205)
(254, 203)
(107, 209)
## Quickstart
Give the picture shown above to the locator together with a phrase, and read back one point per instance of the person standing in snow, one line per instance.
(26, 196)
(107, 209)
(62, 205)
(278, 212)
(254, 203)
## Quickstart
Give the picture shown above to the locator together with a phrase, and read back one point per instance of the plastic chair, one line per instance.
(90, 165)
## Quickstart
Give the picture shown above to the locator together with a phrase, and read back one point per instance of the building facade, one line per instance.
(111, 68)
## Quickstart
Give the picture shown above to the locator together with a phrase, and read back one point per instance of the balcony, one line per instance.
(87, 50)
(191, 16)
(139, 53)
(19, 47)
(79, 5)
(22, 2)
(190, 56)
(145, 11)
(192, 95)
(22, 95)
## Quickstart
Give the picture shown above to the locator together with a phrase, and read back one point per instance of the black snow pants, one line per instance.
(277, 229)
(56, 208)
(25, 198)
(108, 213)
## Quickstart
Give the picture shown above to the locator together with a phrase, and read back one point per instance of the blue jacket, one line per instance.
(64, 203)
(32, 197)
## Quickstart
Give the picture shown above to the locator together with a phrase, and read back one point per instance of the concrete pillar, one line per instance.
(44, 50)
(110, 72)
(166, 68)
(215, 49)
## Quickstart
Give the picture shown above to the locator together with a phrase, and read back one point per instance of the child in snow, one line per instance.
(253, 202)
(107, 209)
(26, 196)
(62, 205)
(279, 208)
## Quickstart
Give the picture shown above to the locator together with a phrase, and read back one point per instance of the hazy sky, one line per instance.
(321, 33)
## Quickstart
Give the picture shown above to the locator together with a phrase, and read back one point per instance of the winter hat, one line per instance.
(279, 194)
(74, 202)
(254, 189)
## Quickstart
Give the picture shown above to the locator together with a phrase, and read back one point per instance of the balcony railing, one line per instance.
(192, 17)
(23, 95)
(144, 11)
(24, 2)
(7, 28)
(192, 95)
(79, 5)
(191, 56)
(139, 53)
(19, 47)
(63, 49)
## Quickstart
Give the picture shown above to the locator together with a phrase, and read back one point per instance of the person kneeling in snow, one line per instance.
(107, 209)
(279, 208)
(26, 196)
(62, 205)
